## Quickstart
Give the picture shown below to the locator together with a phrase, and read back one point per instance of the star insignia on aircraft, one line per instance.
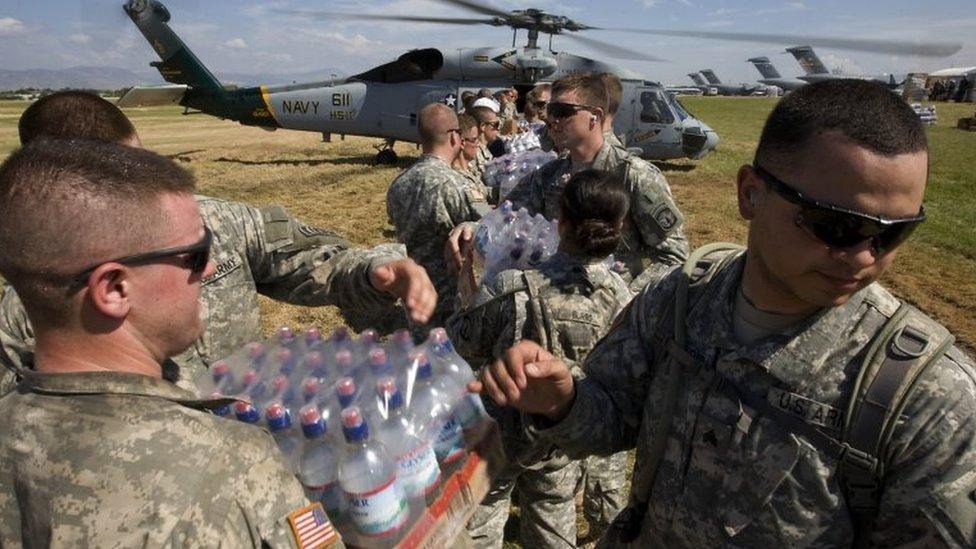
(450, 100)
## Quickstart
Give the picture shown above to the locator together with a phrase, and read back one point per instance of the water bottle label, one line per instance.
(330, 496)
(379, 512)
(417, 471)
(450, 441)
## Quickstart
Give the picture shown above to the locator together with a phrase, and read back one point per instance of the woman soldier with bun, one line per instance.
(565, 305)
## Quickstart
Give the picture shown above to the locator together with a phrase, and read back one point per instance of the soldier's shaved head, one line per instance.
(76, 115)
(66, 205)
(434, 124)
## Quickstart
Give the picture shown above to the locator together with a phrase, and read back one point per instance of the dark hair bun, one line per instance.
(594, 205)
(596, 237)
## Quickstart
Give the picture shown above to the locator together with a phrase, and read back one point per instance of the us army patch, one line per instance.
(223, 269)
(808, 410)
(666, 217)
(311, 527)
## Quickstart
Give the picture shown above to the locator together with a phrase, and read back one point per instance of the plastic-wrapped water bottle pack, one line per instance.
(369, 428)
(506, 171)
(507, 238)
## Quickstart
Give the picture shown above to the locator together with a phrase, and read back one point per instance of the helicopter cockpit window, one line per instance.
(411, 66)
(654, 109)
(679, 108)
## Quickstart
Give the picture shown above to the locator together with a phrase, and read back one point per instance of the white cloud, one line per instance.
(80, 39)
(649, 3)
(236, 44)
(10, 26)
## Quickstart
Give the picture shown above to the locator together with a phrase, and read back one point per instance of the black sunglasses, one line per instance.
(197, 257)
(565, 110)
(494, 124)
(471, 140)
(839, 227)
(540, 104)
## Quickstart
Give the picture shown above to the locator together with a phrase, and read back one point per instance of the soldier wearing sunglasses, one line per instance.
(255, 251)
(652, 239)
(106, 246)
(778, 396)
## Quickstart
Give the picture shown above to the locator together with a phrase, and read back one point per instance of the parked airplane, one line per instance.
(736, 89)
(772, 77)
(816, 70)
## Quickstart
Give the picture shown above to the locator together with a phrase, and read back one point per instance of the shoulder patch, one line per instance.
(311, 527)
(666, 217)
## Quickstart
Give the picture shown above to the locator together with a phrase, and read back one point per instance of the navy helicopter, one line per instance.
(383, 101)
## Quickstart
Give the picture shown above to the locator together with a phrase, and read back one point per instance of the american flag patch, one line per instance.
(311, 527)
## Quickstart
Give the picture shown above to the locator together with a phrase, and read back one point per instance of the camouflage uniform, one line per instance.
(566, 305)
(652, 237)
(110, 459)
(614, 141)
(255, 251)
(477, 166)
(425, 203)
(731, 477)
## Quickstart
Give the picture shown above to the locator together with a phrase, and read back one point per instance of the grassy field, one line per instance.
(337, 185)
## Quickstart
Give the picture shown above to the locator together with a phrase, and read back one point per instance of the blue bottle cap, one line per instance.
(278, 417)
(313, 426)
(346, 391)
(354, 426)
(246, 412)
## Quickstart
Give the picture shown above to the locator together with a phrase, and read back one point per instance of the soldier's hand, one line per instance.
(408, 281)
(458, 242)
(530, 379)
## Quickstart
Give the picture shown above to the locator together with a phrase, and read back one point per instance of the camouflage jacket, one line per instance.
(425, 203)
(730, 477)
(502, 314)
(109, 459)
(477, 166)
(255, 251)
(652, 235)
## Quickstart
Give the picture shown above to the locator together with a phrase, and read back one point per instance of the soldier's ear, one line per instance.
(749, 188)
(109, 290)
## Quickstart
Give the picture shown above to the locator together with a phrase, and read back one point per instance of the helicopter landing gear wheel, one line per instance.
(386, 157)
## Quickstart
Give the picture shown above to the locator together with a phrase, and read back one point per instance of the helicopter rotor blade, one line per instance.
(478, 8)
(325, 15)
(611, 49)
(871, 45)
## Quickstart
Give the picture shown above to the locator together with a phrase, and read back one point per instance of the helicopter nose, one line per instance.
(698, 140)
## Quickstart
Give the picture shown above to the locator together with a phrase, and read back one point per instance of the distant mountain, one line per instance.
(111, 78)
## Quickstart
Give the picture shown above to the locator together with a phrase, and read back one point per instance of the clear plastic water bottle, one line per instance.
(416, 464)
(314, 365)
(313, 340)
(318, 470)
(432, 405)
(470, 410)
(374, 500)
(279, 423)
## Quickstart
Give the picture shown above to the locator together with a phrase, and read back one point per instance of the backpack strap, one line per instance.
(907, 344)
(696, 270)
(545, 331)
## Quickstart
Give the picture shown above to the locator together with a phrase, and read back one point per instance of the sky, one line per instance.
(251, 37)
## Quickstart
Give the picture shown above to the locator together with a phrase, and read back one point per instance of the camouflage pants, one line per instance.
(605, 490)
(546, 503)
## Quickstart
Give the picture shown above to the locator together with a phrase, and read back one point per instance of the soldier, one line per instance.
(256, 251)
(652, 239)
(489, 125)
(540, 96)
(614, 94)
(430, 198)
(465, 160)
(566, 305)
(781, 397)
(96, 448)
